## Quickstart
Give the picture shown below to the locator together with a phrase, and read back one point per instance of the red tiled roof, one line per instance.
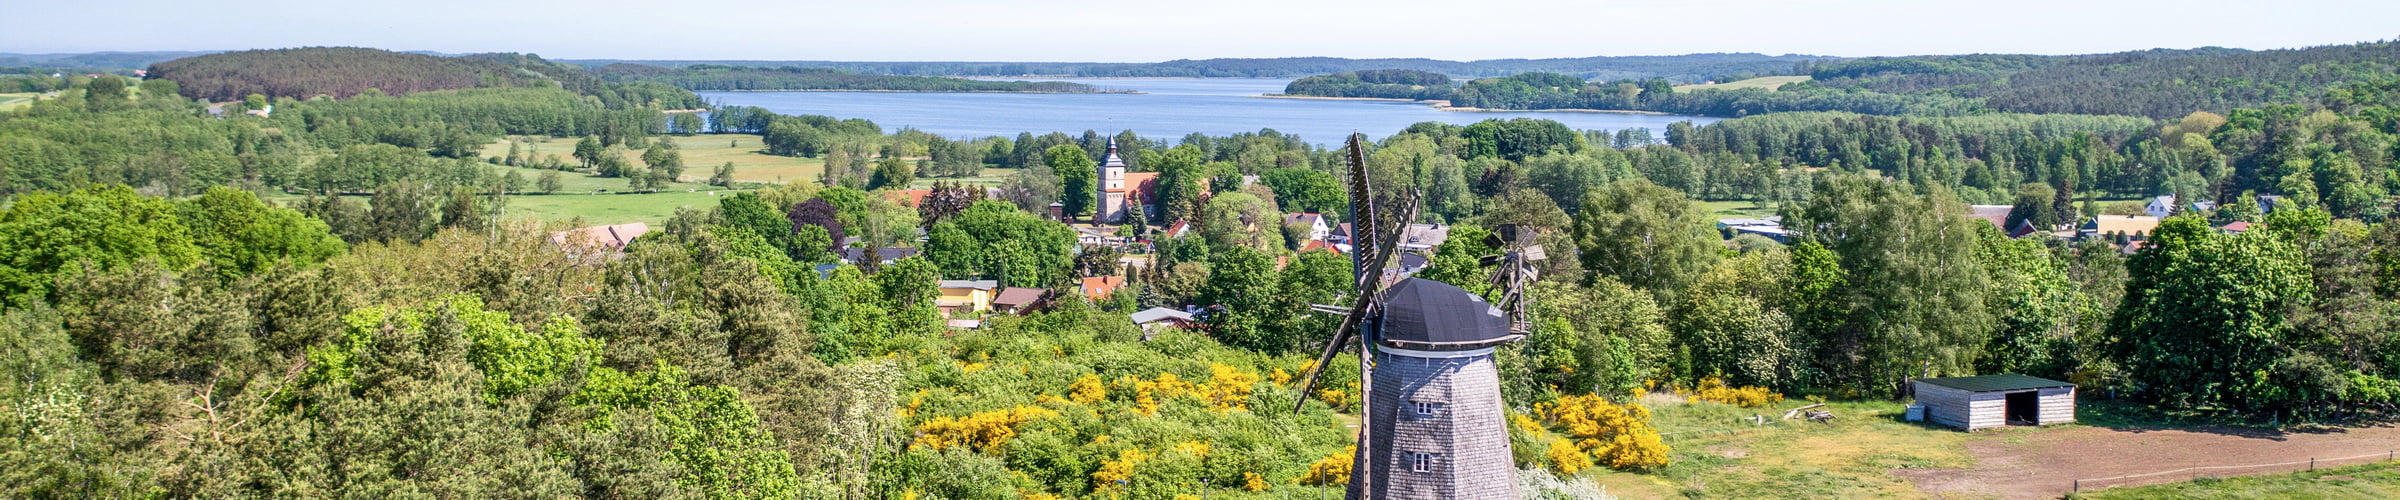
(1319, 244)
(907, 197)
(2236, 226)
(1098, 287)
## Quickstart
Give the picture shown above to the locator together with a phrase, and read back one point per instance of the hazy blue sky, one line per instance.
(1125, 30)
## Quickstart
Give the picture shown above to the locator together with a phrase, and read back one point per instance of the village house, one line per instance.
(1770, 227)
(2163, 206)
(2135, 226)
(1153, 318)
(1098, 287)
(1317, 231)
(600, 238)
(1014, 300)
(965, 297)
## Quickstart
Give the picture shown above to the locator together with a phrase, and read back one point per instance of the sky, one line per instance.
(1145, 31)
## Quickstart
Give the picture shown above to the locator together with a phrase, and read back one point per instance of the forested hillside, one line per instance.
(713, 77)
(2154, 83)
(336, 71)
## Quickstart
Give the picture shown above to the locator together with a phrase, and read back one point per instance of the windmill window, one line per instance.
(1426, 408)
(1421, 462)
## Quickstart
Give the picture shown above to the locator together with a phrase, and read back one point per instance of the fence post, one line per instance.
(2078, 486)
(2312, 463)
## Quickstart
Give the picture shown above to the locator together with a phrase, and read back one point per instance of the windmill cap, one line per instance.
(1423, 314)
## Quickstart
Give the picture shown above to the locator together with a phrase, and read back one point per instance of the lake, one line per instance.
(1167, 108)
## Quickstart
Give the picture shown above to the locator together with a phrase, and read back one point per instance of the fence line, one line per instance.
(2190, 473)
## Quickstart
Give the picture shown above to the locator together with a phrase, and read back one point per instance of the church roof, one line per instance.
(1111, 159)
(1424, 314)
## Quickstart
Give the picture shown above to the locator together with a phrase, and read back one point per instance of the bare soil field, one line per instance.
(2045, 463)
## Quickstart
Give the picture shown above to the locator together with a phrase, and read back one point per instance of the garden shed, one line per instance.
(1987, 401)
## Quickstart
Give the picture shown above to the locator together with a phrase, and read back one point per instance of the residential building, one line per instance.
(1153, 318)
(605, 238)
(965, 297)
(1098, 287)
(1317, 231)
(1014, 300)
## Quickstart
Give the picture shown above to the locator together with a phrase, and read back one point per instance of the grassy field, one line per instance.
(1737, 208)
(701, 156)
(1717, 455)
(598, 200)
(17, 100)
(1764, 82)
(2370, 481)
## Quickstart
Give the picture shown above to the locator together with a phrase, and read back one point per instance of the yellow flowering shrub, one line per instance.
(1120, 469)
(1229, 388)
(981, 431)
(1714, 389)
(1251, 481)
(1620, 435)
(1333, 470)
(1525, 423)
(1636, 450)
(1193, 448)
(1567, 458)
(1280, 377)
(1087, 390)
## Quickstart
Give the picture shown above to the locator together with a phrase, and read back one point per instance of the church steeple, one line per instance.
(1111, 184)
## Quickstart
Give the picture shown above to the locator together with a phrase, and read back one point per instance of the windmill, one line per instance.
(1433, 425)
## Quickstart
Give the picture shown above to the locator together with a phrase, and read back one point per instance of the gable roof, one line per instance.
(1304, 218)
(908, 197)
(2001, 382)
(2236, 226)
(1018, 296)
(1098, 287)
(1319, 244)
(1996, 214)
(1157, 314)
(606, 237)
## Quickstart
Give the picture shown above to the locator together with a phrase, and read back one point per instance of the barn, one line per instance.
(1987, 401)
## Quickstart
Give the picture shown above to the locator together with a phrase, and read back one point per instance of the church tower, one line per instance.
(1112, 187)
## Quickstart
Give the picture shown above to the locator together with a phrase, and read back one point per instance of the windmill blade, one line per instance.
(1365, 266)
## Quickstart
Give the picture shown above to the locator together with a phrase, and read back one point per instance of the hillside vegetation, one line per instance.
(2152, 83)
(336, 71)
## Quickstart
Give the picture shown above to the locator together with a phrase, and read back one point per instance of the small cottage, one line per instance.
(1987, 401)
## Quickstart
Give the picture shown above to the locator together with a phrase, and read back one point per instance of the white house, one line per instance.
(1317, 230)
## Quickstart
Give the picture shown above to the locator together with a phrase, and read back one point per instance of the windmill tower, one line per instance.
(1433, 425)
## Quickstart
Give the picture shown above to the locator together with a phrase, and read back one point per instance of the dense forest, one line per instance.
(1682, 68)
(2153, 83)
(335, 71)
(715, 77)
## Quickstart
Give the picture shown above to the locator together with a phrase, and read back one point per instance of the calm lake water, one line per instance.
(1167, 108)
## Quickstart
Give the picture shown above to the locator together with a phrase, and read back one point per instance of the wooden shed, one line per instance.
(1987, 401)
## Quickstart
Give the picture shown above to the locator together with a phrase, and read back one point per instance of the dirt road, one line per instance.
(2044, 463)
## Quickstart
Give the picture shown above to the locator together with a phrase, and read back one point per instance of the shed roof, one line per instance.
(2001, 382)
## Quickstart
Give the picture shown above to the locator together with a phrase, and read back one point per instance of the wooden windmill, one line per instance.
(1433, 425)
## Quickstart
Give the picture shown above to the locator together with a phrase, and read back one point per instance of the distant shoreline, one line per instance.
(929, 91)
(1445, 105)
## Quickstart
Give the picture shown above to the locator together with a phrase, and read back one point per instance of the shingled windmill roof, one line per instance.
(1424, 314)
